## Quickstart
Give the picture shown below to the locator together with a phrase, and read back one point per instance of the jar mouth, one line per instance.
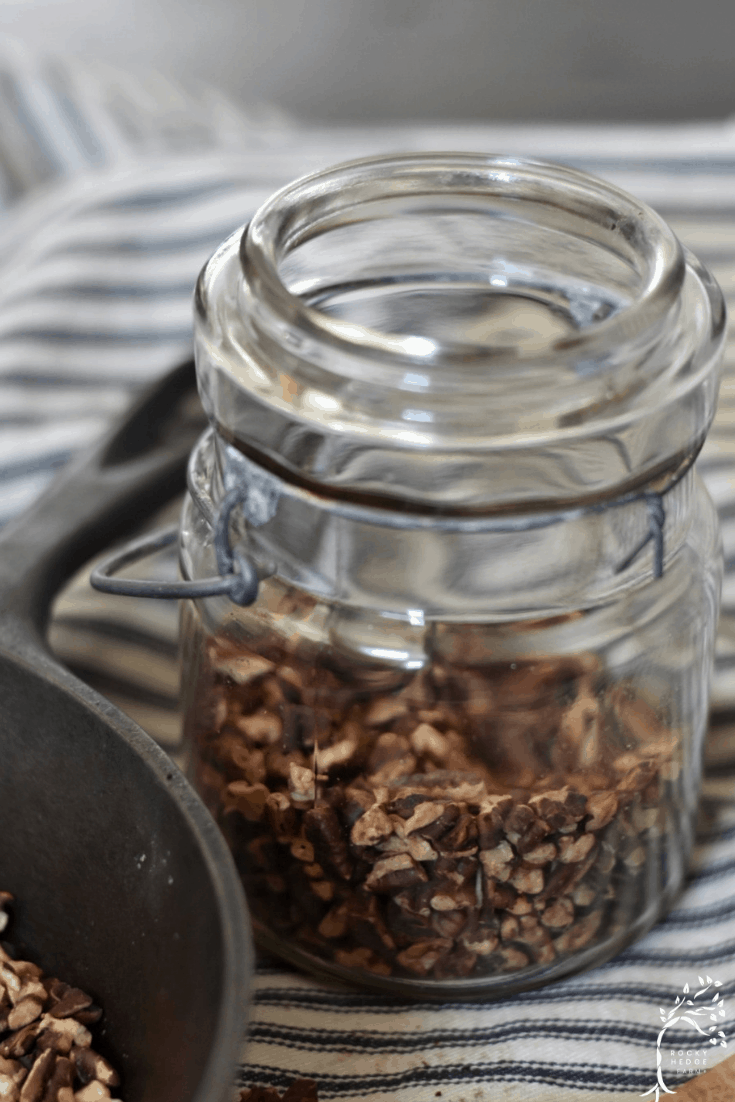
(609, 236)
(460, 331)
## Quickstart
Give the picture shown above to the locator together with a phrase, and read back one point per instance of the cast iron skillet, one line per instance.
(124, 885)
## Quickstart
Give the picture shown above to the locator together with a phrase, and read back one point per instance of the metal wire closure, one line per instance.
(238, 578)
(234, 566)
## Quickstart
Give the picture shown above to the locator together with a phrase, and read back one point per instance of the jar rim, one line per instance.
(626, 393)
(315, 203)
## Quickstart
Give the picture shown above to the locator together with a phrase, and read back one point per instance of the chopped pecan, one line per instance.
(583, 895)
(261, 728)
(462, 837)
(422, 956)
(425, 739)
(281, 816)
(560, 808)
(93, 1092)
(366, 923)
(541, 855)
(324, 831)
(459, 963)
(510, 928)
(24, 1012)
(575, 847)
(580, 934)
(351, 803)
(449, 923)
(426, 815)
(532, 932)
(9, 1090)
(62, 1077)
(521, 905)
(479, 939)
(518, 820)
(372, 827)
(529, 880)
(20, 1043)
(323, 889)
(384, 710)
(363, 960)
(537, 833)
(301, 784)
(498, 862)
(404, 805)
(248, 799)
(38, 1076)
(70, 1003)
(241, 668)
(290, 678)
(512, 958)
(338, 754)
(490, 821)
(421, 849)
(390, 874)
(602, 808)
(499, 896)
(13, 1069)
(303, 850)
(334, 924)
(559, 913)
(11, 981)
(580, 732)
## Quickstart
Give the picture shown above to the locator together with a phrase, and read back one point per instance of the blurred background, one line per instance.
(350, 60)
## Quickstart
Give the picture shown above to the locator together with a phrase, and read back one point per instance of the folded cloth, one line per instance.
(97, 266)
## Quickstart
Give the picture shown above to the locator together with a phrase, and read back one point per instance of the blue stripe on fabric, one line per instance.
(12, 91)
(102, 290)
(579, 1076)
(170, 197)
(711, 164)
(376, 1041)
(50, 461)
(40, 379)
(80, 129)
(568, 991)
(161, 246)
(702, 916)
(59, 335)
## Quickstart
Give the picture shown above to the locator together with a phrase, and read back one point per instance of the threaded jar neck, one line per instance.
(459, 331)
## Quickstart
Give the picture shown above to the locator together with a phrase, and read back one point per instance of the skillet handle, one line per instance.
(99, 496)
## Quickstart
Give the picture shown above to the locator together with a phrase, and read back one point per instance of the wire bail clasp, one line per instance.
(238, 578)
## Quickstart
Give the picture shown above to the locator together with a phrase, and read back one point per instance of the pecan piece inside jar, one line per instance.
(412, 830)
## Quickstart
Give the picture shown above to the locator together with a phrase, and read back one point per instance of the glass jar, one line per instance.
(455, 742)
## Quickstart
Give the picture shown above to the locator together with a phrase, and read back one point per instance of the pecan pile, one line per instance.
(45, 1045)
(466, 821)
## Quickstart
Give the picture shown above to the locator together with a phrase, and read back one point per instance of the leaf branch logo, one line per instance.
(688, 1010)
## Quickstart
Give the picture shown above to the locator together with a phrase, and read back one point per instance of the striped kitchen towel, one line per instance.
(114, 191)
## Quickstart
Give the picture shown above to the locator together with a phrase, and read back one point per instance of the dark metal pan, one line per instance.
(124, 885)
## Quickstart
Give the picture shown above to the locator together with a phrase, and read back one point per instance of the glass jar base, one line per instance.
(476, 989)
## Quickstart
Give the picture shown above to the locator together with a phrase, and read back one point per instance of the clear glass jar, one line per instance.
(455, 743)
